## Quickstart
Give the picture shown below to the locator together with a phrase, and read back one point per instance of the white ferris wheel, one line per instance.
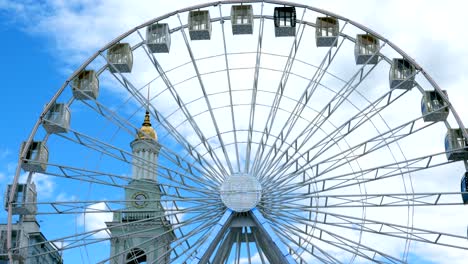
(273, 132)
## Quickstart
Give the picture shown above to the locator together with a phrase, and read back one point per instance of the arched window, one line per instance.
(136, 256)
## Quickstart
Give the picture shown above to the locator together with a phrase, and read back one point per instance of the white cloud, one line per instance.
(94, 218)
(255, 259)
(45, 184)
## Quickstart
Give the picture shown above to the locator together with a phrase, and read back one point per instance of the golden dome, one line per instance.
(147, 131)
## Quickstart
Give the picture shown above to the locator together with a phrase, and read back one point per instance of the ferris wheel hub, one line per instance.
(241, 192)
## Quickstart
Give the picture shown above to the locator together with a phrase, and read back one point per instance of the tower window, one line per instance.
(136, 256)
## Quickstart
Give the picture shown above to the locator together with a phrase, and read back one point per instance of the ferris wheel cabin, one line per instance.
(36, 157)
(401, 74)
(57, 119)
(24, 199)
(86, 85)
(285, 21)
(433, 107)
(120, 58)
(464, 188)
(199, 25)
(242, 19)
(326, 32)
(158, 38)
(366, 49)
(456, 145)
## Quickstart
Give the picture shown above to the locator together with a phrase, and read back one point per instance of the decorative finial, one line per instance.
(147, 121)
(147, 131)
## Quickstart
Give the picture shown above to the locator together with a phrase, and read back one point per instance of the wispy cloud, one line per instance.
(94, 218)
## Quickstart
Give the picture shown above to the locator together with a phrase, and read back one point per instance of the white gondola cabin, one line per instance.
(199, 24)
(326, 32)
(433, 107)
(464, 188)
(57, 119)
(366, 49)
(285, 21)
(36, 157)
(158, 38)
(401, 74)
(24, 199)
(120, 58)
(242, 19)
(86, 85)
(456, 145)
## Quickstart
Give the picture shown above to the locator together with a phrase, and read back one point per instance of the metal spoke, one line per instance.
(307, 95)
(330, 107)
(279, 92)
(363, 200)
(186, 112)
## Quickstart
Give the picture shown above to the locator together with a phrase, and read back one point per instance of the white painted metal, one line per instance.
(309, 164)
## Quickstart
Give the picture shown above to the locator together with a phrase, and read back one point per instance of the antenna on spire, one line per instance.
(148, 98)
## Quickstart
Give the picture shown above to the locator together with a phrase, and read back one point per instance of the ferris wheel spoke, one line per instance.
(231, 102)
(202, 231)
(392, 230)
(286, 232)
(190, 172)
(279, 93)
(186, 243)
(324, 144)
(383, 172)
(383, 140)
(366, 200)
(301, 248)
(253, 100)
(336, 136)
(178, 99)
(86, 238)
(364, 148)
(104, 178)
(370, 174)
(207, 100)
(109, 179)
(339, 241)
(79, 207)
(201, 218)
(301, 104)
(127, 126)
(111, 115)
(193, 172)
(180, 241)
(351, 85)
(210, 171)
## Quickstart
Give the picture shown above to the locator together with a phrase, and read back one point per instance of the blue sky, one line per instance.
(42, 45)
(29, 73)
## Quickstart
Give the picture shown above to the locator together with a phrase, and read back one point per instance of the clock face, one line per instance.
(140, 199)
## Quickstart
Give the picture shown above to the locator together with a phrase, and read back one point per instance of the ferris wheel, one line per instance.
(243, 132)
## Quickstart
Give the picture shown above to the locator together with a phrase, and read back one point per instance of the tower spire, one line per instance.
(147, 131)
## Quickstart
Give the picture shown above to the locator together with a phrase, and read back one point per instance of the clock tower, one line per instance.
(141, 230)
